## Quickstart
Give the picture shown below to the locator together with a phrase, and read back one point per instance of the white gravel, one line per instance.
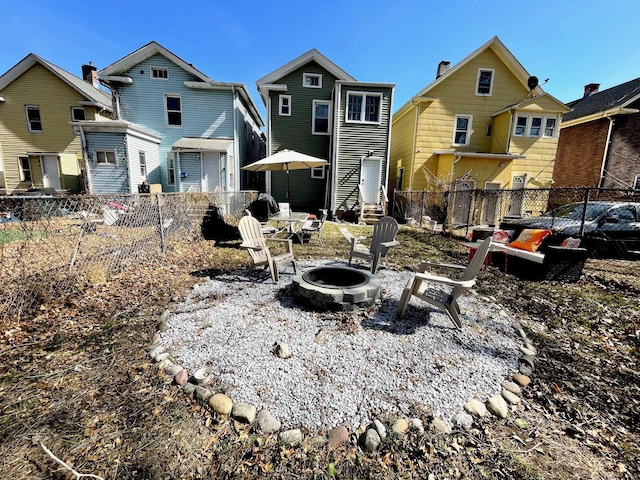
(337, 376)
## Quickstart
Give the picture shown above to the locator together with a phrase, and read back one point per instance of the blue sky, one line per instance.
(572, 43)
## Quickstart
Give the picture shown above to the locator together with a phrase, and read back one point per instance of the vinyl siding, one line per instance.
(135, 145)
(38, 86)
(191, 165)
(205, 113)
(401, 149)
(107, 178)
(354, 142)
(294, 133)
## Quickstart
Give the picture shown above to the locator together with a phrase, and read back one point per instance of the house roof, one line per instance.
(152, 48)
(312, 55)
(618, 97)
(532, 100)
(118, 126)
(94, 95)
(499, 49)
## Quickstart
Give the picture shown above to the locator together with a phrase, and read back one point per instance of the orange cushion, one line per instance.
(530, 239)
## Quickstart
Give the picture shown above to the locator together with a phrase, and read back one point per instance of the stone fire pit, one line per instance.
(336, 288)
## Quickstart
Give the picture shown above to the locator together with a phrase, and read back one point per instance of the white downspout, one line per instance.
(267, 176)
(337, 93)
(236, 147)
(606, 152)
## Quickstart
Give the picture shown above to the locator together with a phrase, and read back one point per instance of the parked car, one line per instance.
(611, 229)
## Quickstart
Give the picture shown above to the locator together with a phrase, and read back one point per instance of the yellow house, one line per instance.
(38, 146)
(483, 124)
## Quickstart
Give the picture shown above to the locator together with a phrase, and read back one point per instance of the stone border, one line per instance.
(196, 385)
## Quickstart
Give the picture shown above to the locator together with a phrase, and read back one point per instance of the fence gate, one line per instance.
(463, 197)
(490, 214)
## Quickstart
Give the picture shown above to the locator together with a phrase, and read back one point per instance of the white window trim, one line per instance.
(363, 106)
(166, 110)
(171, 167)
(143, 156)
(105, 164)
(311, 75)
(281, 104)
(318, 173)
(455, 130)
(636, 182)
(480, 70)
(21, 169)
(160, 69)
(26, 112)
(313, 117)
(528, 126)
(82, 109)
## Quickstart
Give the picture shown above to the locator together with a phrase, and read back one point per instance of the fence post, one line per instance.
(422, 207)
(162, 245)
(584, 211)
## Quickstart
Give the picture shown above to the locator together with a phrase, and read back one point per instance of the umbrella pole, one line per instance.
(288, 189)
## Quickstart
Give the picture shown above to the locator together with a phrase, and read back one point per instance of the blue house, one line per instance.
(172, 126)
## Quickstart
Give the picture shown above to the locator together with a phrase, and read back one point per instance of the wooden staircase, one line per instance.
(370, 213)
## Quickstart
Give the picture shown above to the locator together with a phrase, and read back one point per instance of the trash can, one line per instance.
(144, 188)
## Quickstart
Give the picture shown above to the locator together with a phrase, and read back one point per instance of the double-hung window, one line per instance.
(284, 105)
(173, 106)
(363, 107)
(484, 84)
(143, 164)
(462, 132)
(25, 169)
(535, 126)
(171, 168)
(33, 118)
(321, 109)
(312, 80)
(106, 157)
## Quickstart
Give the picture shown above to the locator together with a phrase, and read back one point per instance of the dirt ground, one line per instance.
(75, 379)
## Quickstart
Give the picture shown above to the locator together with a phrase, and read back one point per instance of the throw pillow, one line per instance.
(530, 239)
(502, 236)
(570, 243)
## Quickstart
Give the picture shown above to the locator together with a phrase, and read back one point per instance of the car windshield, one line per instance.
(574, 211)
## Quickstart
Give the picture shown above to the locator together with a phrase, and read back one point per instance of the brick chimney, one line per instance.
(590, 89)
(443, 67)
(90, 74)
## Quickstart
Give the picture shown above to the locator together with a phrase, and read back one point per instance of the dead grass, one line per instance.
(76, 377)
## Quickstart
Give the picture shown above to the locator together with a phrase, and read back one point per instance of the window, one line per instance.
(143, 165)
(317, 172)
(636, 182)
(106, 157)
(536, 126)
(531, 126)
(25, 169)
(550, 128)
(33, 118)
(462, 133)
(171, 169)
(363, 107)
(77, 114)
(284, 105)
(312, 80)
(321, 117)
(173, 105)
(400, 180)
(489, 130)
(485, 82)
(159, 73)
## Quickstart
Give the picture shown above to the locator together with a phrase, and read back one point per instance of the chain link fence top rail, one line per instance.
(606, 220)
(50, 246)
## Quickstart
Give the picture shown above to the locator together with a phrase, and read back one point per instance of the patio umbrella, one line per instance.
(286, 160)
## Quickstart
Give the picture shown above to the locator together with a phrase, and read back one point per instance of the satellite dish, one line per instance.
(532, 82)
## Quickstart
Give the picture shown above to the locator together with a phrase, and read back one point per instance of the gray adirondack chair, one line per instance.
(255, 243)
(383, 238)
(443, 292)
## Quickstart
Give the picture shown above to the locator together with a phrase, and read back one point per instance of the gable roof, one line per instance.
(618, 97)
(94, 95)
(499, 49)
(152, 48)
(287, 68)
(533, 100)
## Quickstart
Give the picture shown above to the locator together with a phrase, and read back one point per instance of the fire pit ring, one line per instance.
(336, 288)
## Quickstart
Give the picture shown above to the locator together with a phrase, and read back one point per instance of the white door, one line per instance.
(370, 179)
(50, 172)
(210, 171)
(516, 202)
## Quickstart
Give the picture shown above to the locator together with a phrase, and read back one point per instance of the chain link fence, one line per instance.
(607, 221)
(52, 245)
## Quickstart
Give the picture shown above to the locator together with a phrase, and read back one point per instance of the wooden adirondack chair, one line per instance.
(383, 238)
(255, 243)
(443, 292)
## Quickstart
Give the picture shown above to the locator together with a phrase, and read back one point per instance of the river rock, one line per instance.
(181, 377)
(512, 387)
(371, 440)
(510, 397)
(498, 406)
(521, 380)
(202, 394)
(380, 428)
(243, 412)
(291, 437)
(220, 403)
(463, 419)
(475, 407)
(400, 426)
(416, 424)
(440, 426)
(338, 436)
(267, 422)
